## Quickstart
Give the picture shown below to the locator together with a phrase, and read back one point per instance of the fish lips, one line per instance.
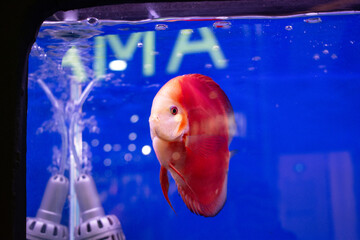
(154, 122)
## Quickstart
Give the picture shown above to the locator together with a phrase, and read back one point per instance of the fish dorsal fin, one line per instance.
(206, 100)
(213, 89)
(164, 181)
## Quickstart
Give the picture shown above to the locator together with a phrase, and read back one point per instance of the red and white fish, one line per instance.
(191, 125)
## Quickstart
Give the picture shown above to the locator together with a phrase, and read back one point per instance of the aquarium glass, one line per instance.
(294, 85)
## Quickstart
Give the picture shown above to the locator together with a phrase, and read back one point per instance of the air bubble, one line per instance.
(35, 47)
(222, 24)
(316, 57)
(95, 142)
(128, 157)
(313, 20)
(132, 147)
(116, 147)
(107, 147)
(39, 130)
(288, 28)
(92, 21)
(160, 27)
(132, 136)
(43, 55)
(85, 144)
(134, 118)
(107, 162)
(146, 150)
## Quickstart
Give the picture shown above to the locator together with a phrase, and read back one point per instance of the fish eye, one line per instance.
(173, 110)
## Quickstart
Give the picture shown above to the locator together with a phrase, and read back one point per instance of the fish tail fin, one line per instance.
(164, 181)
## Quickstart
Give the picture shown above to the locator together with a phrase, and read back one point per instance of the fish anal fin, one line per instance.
(164, 181)
(204, 209)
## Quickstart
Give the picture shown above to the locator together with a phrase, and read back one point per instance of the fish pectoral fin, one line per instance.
(206, 146)
(164, 181)
(233, 153)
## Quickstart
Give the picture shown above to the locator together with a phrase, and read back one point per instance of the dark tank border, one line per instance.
(20, 23)
(140, 11)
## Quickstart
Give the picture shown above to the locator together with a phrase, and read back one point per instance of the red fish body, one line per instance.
(191, 126)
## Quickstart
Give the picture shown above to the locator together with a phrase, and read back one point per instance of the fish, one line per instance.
(191, 126)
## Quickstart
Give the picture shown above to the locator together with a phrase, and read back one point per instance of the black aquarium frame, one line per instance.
(20, 22)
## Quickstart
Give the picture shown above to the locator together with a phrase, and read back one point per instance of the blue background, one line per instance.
(296, 96)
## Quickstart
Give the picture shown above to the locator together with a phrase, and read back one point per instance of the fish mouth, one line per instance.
(163, 138)
(156, 131)
(156, 134)
(153, 129)
(152, 122)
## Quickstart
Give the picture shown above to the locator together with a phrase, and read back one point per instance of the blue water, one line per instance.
(294, 84)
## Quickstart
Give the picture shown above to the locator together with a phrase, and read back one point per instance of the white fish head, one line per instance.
(168, 119)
